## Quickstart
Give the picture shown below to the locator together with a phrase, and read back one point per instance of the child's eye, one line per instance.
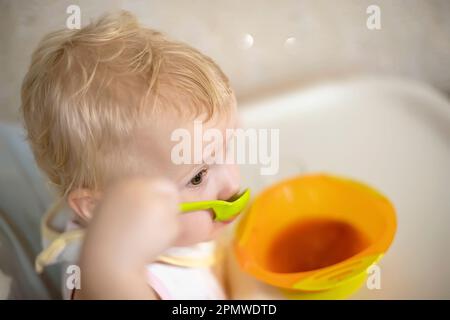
(198, 178)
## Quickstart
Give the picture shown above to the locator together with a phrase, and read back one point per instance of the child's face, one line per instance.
(196, 182)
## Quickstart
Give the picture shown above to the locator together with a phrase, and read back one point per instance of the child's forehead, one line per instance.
(167, 126)
(156, 141)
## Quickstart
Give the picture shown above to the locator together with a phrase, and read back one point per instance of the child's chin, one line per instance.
(219, 226)
(222, 224)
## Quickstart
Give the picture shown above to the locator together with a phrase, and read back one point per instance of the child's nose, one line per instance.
(231, 184)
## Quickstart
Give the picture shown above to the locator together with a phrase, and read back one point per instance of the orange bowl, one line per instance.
(313, 233)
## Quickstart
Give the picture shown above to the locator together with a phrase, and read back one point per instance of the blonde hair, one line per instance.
(86, 90)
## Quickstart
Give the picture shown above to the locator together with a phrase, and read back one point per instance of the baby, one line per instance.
(100, 105)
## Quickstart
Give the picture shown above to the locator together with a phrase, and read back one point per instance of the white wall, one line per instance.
(331, 40)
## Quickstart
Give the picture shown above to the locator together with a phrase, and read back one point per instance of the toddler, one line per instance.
(100, 105)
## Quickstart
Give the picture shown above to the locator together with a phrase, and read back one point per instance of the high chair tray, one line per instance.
(390, 133)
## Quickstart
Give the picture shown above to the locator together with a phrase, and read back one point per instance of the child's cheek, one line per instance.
(194, 227)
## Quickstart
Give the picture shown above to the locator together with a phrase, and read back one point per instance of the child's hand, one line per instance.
(135, 221)
(139, 217)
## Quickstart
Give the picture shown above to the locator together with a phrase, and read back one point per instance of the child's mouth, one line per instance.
(221, 210)
(229, 221)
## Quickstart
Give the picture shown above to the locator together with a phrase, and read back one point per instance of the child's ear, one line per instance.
(83, 202)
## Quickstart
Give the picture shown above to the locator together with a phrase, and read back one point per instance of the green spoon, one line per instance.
(223, 210)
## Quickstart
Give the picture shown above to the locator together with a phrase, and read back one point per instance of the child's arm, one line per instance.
(134, 223)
